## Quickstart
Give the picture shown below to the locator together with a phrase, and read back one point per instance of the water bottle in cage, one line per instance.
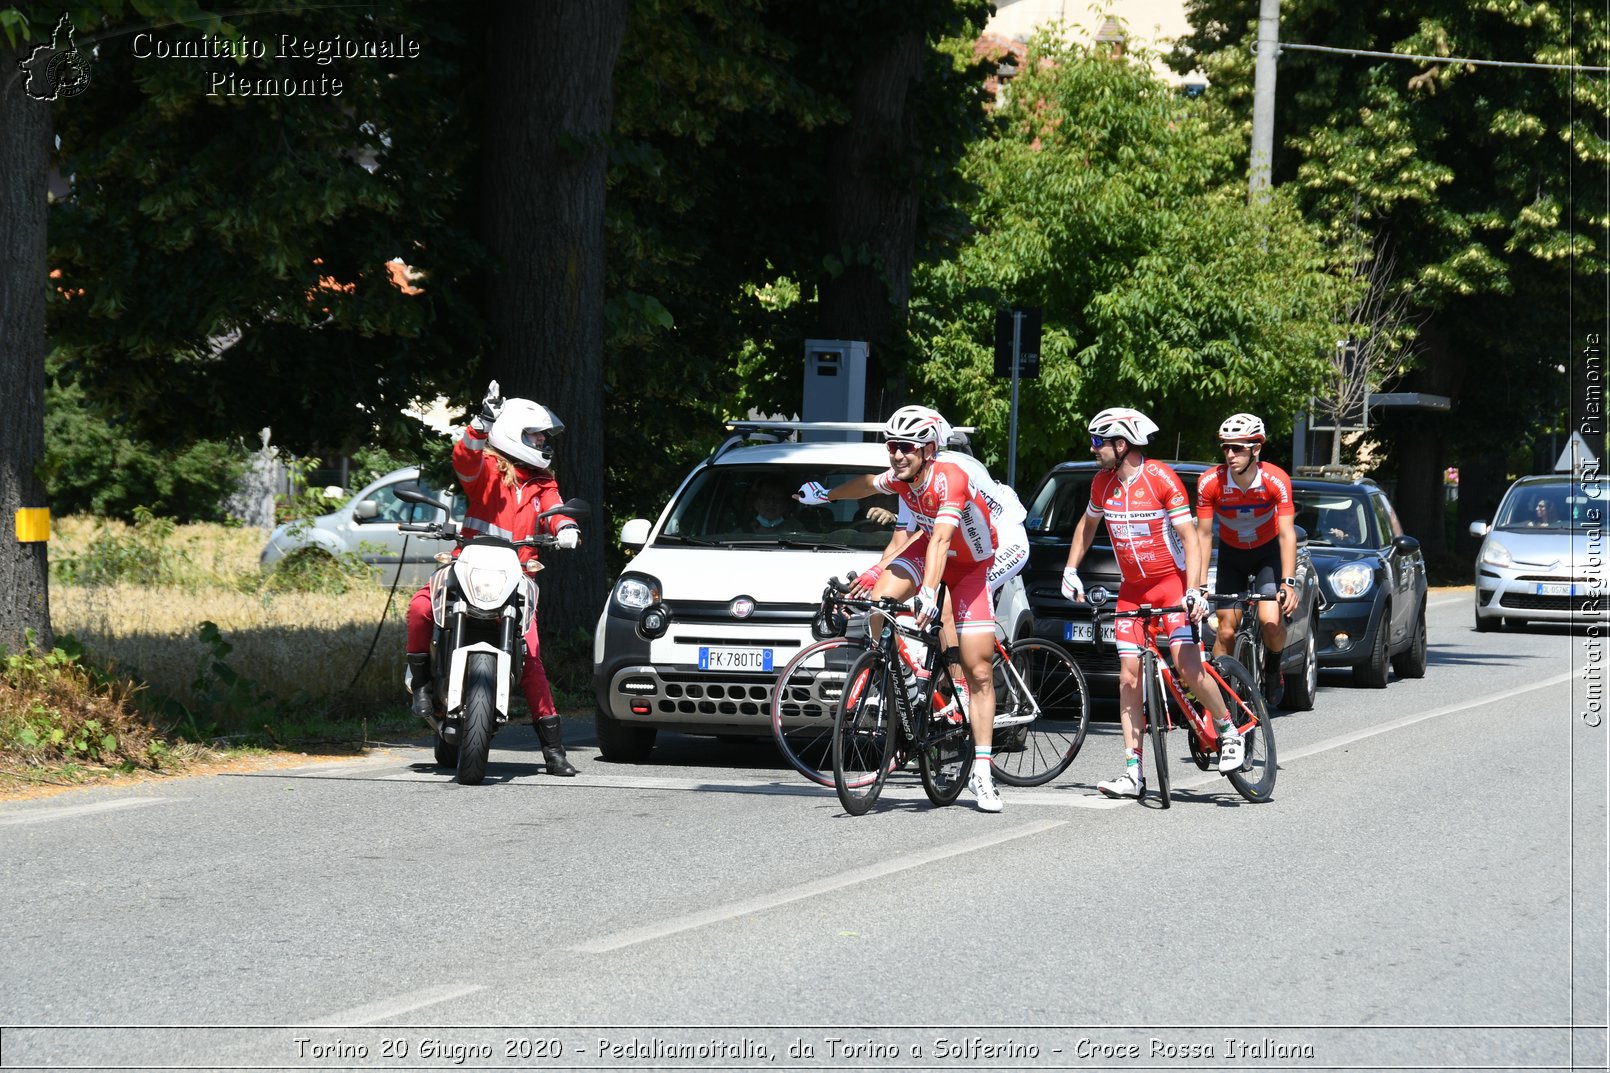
(914, 676)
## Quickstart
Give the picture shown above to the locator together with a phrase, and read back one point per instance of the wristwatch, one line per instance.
(1289, 581)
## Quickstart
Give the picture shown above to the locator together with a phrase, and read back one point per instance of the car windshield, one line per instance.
(753, 506)
(1061, 500)
(1549, 505)
(1339, 518)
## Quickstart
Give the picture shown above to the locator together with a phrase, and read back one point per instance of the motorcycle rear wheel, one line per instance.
(475, 723)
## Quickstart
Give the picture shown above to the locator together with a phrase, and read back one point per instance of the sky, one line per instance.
(1150, 21)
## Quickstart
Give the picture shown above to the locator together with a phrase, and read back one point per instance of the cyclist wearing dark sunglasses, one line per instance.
(1249, 503)
(956, 545)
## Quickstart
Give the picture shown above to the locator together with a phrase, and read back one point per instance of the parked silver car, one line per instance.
(366, 525)
(1543, 558)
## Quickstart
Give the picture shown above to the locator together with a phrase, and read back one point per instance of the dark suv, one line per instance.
(1372, 579)
(1054, 510)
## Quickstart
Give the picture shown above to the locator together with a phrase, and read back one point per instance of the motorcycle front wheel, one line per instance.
(475, 723)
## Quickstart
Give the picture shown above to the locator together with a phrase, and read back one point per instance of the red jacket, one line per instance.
(498, 510)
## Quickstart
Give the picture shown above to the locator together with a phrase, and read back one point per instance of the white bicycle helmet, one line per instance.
(1241, 428)
(919, 424)
(1132, 425)
(524, 432)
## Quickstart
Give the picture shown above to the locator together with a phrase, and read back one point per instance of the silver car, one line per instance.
(1543, 558)
(366, 525)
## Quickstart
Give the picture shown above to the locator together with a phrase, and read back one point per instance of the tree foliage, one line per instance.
(1115, 205)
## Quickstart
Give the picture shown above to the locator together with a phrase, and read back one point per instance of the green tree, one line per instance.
(1487, 183)
(1114, 204)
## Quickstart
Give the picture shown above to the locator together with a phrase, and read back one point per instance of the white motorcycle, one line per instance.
(482, 603)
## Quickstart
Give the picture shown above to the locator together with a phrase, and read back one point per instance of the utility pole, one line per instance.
(1263, 99)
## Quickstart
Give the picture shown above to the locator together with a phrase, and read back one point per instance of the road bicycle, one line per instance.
(1248, 647)
(1162, 695)
(1042, 703)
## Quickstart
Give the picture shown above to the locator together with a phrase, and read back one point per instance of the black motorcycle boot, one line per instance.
(424, 702)
(553, 746)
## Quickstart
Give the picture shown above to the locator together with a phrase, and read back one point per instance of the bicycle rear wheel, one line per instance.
(946, 759)
(1157, 722)
(1255, 780)
(803, 702)
(1042, 712)
(864, 731)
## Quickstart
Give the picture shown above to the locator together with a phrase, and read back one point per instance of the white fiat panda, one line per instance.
(738, 567)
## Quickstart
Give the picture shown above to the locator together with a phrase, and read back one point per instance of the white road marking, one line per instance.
(63, 812)
(825, 885)
(396, 1006)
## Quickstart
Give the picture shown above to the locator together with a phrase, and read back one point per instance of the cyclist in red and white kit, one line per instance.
(1149, 522)
(956, 545)
(1250, 503)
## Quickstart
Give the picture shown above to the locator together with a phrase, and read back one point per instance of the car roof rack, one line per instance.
(741, 431)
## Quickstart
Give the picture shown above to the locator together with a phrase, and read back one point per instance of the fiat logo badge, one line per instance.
(742, 607)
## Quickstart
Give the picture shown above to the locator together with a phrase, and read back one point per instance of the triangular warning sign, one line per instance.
(1577, 453)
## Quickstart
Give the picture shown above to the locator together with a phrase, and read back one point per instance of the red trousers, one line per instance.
(534, 677)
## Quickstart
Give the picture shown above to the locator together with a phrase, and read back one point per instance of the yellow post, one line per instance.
(33, 524)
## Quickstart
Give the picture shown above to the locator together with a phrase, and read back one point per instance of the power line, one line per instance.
(1437, 59)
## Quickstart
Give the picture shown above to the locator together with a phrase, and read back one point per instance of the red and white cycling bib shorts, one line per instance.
(1165, 591)
(968, 583)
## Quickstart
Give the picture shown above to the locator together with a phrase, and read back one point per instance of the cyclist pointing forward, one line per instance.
(1249, 502)
(956, 545)
(1149, 522)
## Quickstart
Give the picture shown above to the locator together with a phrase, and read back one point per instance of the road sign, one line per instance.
(1028, 342)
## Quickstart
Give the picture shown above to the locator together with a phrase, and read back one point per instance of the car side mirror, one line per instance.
(366, 510)
(1406, 544)
(635, 532)
(1302, 534)
(1480, 528)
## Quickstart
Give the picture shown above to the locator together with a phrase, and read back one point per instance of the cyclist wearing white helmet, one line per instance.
(503, 460)
(1248, 502)
(1149, 523)
(957, 546)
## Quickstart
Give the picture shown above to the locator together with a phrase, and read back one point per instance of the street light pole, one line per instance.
(1263, 99)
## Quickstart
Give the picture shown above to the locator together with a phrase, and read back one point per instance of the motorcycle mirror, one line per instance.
(411, 494)
(571, 508)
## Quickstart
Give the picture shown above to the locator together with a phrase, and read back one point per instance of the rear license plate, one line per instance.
(735, 659)
(1084, 632)
(1562, 589)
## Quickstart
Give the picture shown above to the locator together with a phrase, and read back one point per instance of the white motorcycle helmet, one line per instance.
(524, 432)
(920, 424)
(1132, 425)
(1241, 428)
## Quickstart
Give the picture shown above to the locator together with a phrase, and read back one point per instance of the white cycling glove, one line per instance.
(812, 494)
(568, 537)
(1196, 604)
(927, 605)
(1072, 588)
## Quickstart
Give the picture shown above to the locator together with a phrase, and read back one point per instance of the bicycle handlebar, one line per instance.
(455, 532)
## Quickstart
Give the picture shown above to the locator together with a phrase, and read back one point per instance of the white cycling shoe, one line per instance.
(1232, 753)
(1125, 785)
(989, 798)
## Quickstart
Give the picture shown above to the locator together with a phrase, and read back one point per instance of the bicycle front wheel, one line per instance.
(803, 701)
(1157, 723)
(1255, 779)
(1042, 712)
(864, 730)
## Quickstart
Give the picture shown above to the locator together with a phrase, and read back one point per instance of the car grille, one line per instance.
(746, 695)
(814, 699)
(1555, 579)
(1579, 605)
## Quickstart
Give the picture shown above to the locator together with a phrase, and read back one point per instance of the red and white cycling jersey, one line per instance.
(947, 495)
(1245, 518)
(1141, 519)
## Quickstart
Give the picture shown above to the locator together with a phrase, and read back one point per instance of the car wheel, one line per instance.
(1301, 687)
(1371, 674)
(622, 744)
(1411, 662)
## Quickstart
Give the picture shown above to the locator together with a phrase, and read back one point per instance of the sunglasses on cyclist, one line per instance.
(1097, 441)
(1237, 448)
(902, 447)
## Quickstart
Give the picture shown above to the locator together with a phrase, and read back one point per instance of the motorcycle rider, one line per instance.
(503, 461)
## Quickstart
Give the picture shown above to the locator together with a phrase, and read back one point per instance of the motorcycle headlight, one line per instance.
(486, 585)
(1495, 554)
(1352, 580)
(635, 592)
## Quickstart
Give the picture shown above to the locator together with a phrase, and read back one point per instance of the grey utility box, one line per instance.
(835, 385)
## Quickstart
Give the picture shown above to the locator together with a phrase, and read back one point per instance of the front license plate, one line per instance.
(1562, 589)
(1085, 631)
(735, 659)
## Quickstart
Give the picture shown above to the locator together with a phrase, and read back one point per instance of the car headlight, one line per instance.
(1352, 580)
(635, 592)
(1495, 554)
(487, 585)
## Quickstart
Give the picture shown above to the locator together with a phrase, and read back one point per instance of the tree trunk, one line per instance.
(874, 170)
(549, 103)
(24, 164)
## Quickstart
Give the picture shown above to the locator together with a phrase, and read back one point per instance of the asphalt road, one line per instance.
(1427, 890)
